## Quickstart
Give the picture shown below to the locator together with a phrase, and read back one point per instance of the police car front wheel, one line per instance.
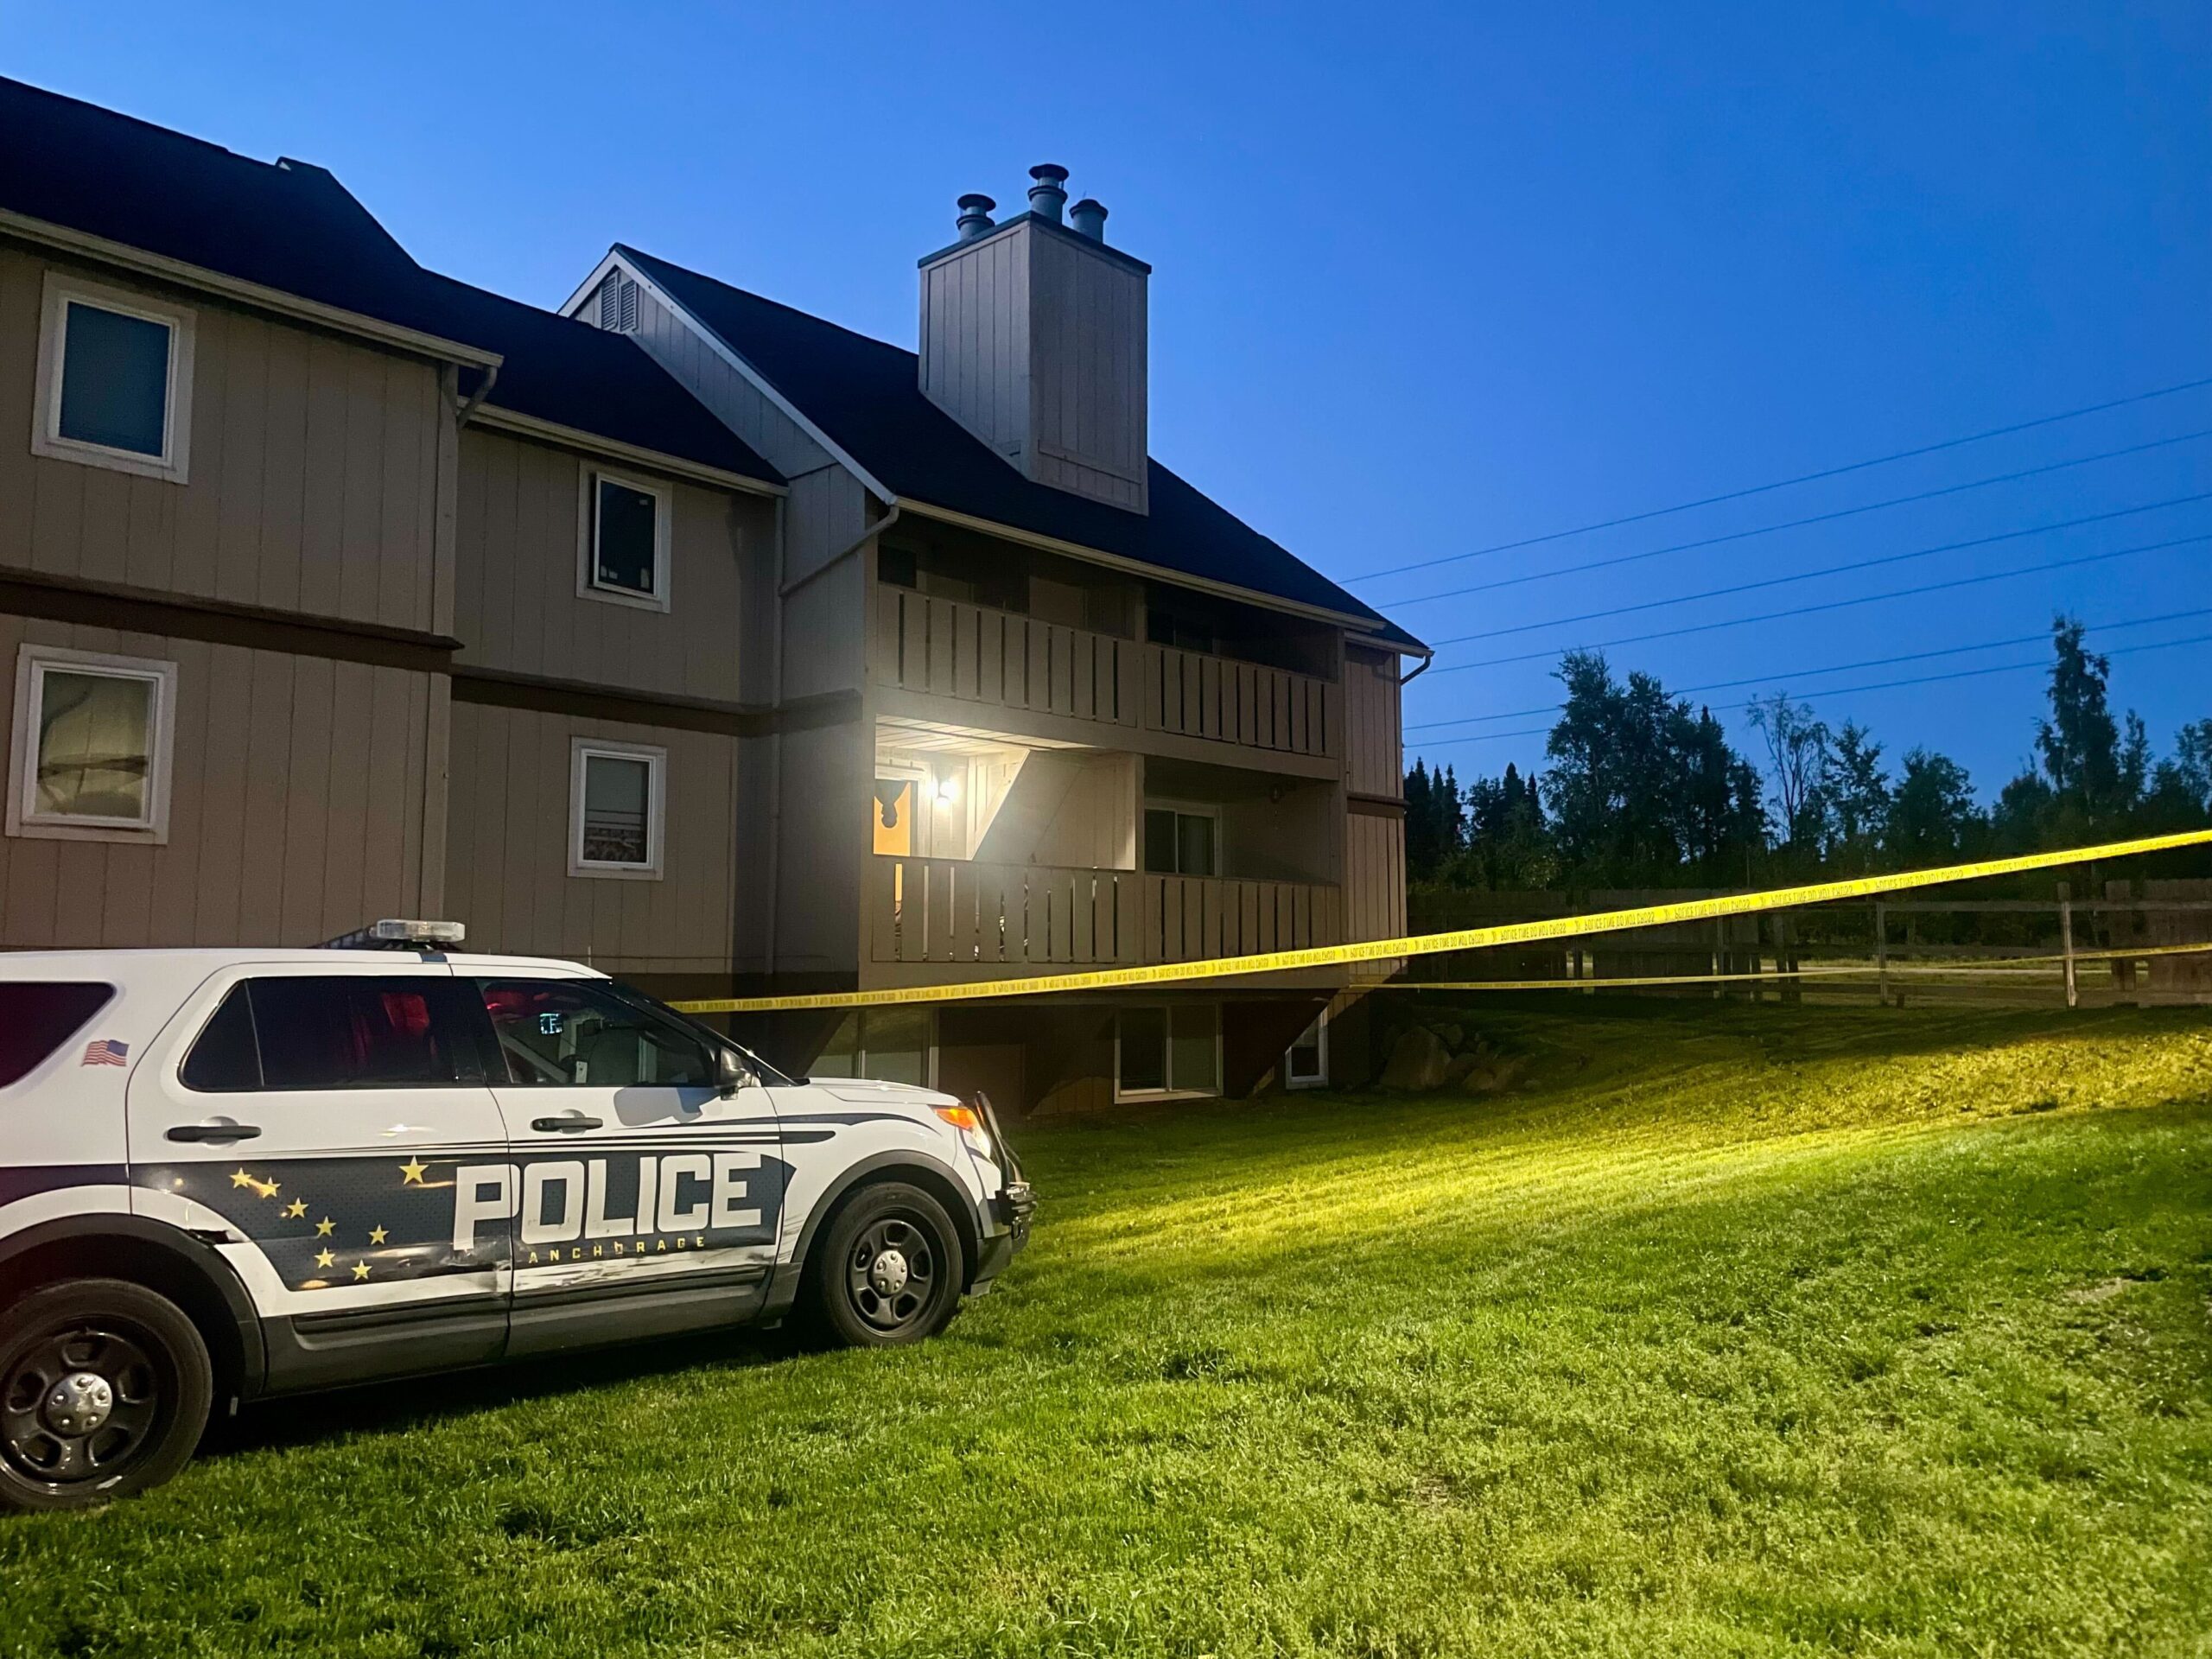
(104, 1388)
(889, 1268)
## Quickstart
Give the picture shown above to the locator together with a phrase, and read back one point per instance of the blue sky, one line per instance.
(1425, 279)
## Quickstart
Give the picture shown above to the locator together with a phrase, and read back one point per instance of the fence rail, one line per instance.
(2151, 946)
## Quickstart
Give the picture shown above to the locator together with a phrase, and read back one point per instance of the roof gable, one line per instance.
(866, 395)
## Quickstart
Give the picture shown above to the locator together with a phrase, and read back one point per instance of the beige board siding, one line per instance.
(295, 815)
(976, 341)
(1375, 877)
(733, 398)
(1088, 374)
(313, 483)
(1373, 757)
(508, 840)
(519, 556)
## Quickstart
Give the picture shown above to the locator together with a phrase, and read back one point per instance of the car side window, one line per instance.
(349, 1031)
(576, 1033)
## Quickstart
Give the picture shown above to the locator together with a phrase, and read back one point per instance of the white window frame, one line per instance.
(1171, 1093)
(24, 818)
(581, 750)
(588, 585)
(174, 463)
(1295, 1079)
(1188, 809)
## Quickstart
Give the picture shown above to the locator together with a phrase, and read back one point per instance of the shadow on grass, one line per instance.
(408, 1402)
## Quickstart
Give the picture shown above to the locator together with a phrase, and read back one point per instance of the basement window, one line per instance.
(114, 380)
(889, 1045)
(624, 541)
(1168, 1053)
(92, 741)
(1306, 1062)
(617, 804)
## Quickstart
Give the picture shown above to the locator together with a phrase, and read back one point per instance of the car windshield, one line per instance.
(768, 1073)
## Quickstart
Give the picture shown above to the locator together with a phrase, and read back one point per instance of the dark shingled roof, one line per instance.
(866, 396)
(293, 227)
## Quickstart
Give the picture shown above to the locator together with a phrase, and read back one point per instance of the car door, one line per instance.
(648, 1197)
(333, 1125)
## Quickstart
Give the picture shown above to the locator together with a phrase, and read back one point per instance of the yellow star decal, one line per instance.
(322, 1228)
(297, 1208)
(267, 1189)
(410, 1173)
(324, 1258)
(241, 1179)
(361, 1270)
(375, 1235)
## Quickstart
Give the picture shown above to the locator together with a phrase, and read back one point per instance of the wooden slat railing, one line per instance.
(975, 653)
(958, 913)
(1195, 917)
(1199, 695)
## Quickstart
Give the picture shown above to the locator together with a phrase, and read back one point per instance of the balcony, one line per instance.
(955, 914)
(1001, 660)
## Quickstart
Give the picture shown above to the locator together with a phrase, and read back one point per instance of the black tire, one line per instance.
(104, 1390)
(887, 1270)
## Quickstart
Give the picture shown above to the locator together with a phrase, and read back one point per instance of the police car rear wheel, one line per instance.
(889, 1270)
(105, 1389)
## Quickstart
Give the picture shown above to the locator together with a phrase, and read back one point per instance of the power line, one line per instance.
(1834, 668)
(1787, 483)
(1825, 570)
(1849, 690)
(1793, 523)
(1833, 604)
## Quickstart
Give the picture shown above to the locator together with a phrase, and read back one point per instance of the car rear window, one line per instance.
(38, 1016)
(335, 1031)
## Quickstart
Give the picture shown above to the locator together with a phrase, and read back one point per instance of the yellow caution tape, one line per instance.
(1429, 944)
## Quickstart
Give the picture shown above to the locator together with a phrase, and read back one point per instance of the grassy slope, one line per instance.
(1738, 1332)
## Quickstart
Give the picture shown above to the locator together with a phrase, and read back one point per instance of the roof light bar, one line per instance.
(399, 933)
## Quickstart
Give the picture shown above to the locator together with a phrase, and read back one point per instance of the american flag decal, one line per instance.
(107, 1051)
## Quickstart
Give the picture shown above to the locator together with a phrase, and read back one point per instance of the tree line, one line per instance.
(1639, 789)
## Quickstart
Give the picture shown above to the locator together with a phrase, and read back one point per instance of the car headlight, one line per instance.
(963, 1118)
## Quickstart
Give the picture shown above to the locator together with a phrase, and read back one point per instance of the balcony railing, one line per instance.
(974, 653)
(958, 913)
(980, 655)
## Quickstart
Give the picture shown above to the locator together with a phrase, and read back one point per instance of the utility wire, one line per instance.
(1834, 668)
(1793, 523)
(1825, 570)
(1787, 483)
(1848, 690)
(1834, 604)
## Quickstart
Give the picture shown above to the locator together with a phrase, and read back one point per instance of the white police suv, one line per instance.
(232, 1174)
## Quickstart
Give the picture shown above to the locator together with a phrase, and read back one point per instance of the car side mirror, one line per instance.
(731, 1072)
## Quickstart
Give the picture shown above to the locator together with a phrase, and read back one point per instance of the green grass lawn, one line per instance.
(1734, 1331)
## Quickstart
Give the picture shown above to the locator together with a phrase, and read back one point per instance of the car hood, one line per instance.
(866, 1091)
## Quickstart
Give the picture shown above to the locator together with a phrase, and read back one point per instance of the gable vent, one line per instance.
(618, 304)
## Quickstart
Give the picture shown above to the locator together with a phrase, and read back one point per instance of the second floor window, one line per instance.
(114, 380)
(626, 536)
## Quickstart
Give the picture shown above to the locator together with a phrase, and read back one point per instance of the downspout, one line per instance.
(784, 590)
(1426, 663)
(776, 749)
(483, 390)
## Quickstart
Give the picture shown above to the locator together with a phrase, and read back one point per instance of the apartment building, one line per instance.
(681, 632)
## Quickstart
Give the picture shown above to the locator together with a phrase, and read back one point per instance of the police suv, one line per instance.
(232, 1174)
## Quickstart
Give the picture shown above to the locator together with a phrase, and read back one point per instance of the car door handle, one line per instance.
(221, 1129)
(571, 1124)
